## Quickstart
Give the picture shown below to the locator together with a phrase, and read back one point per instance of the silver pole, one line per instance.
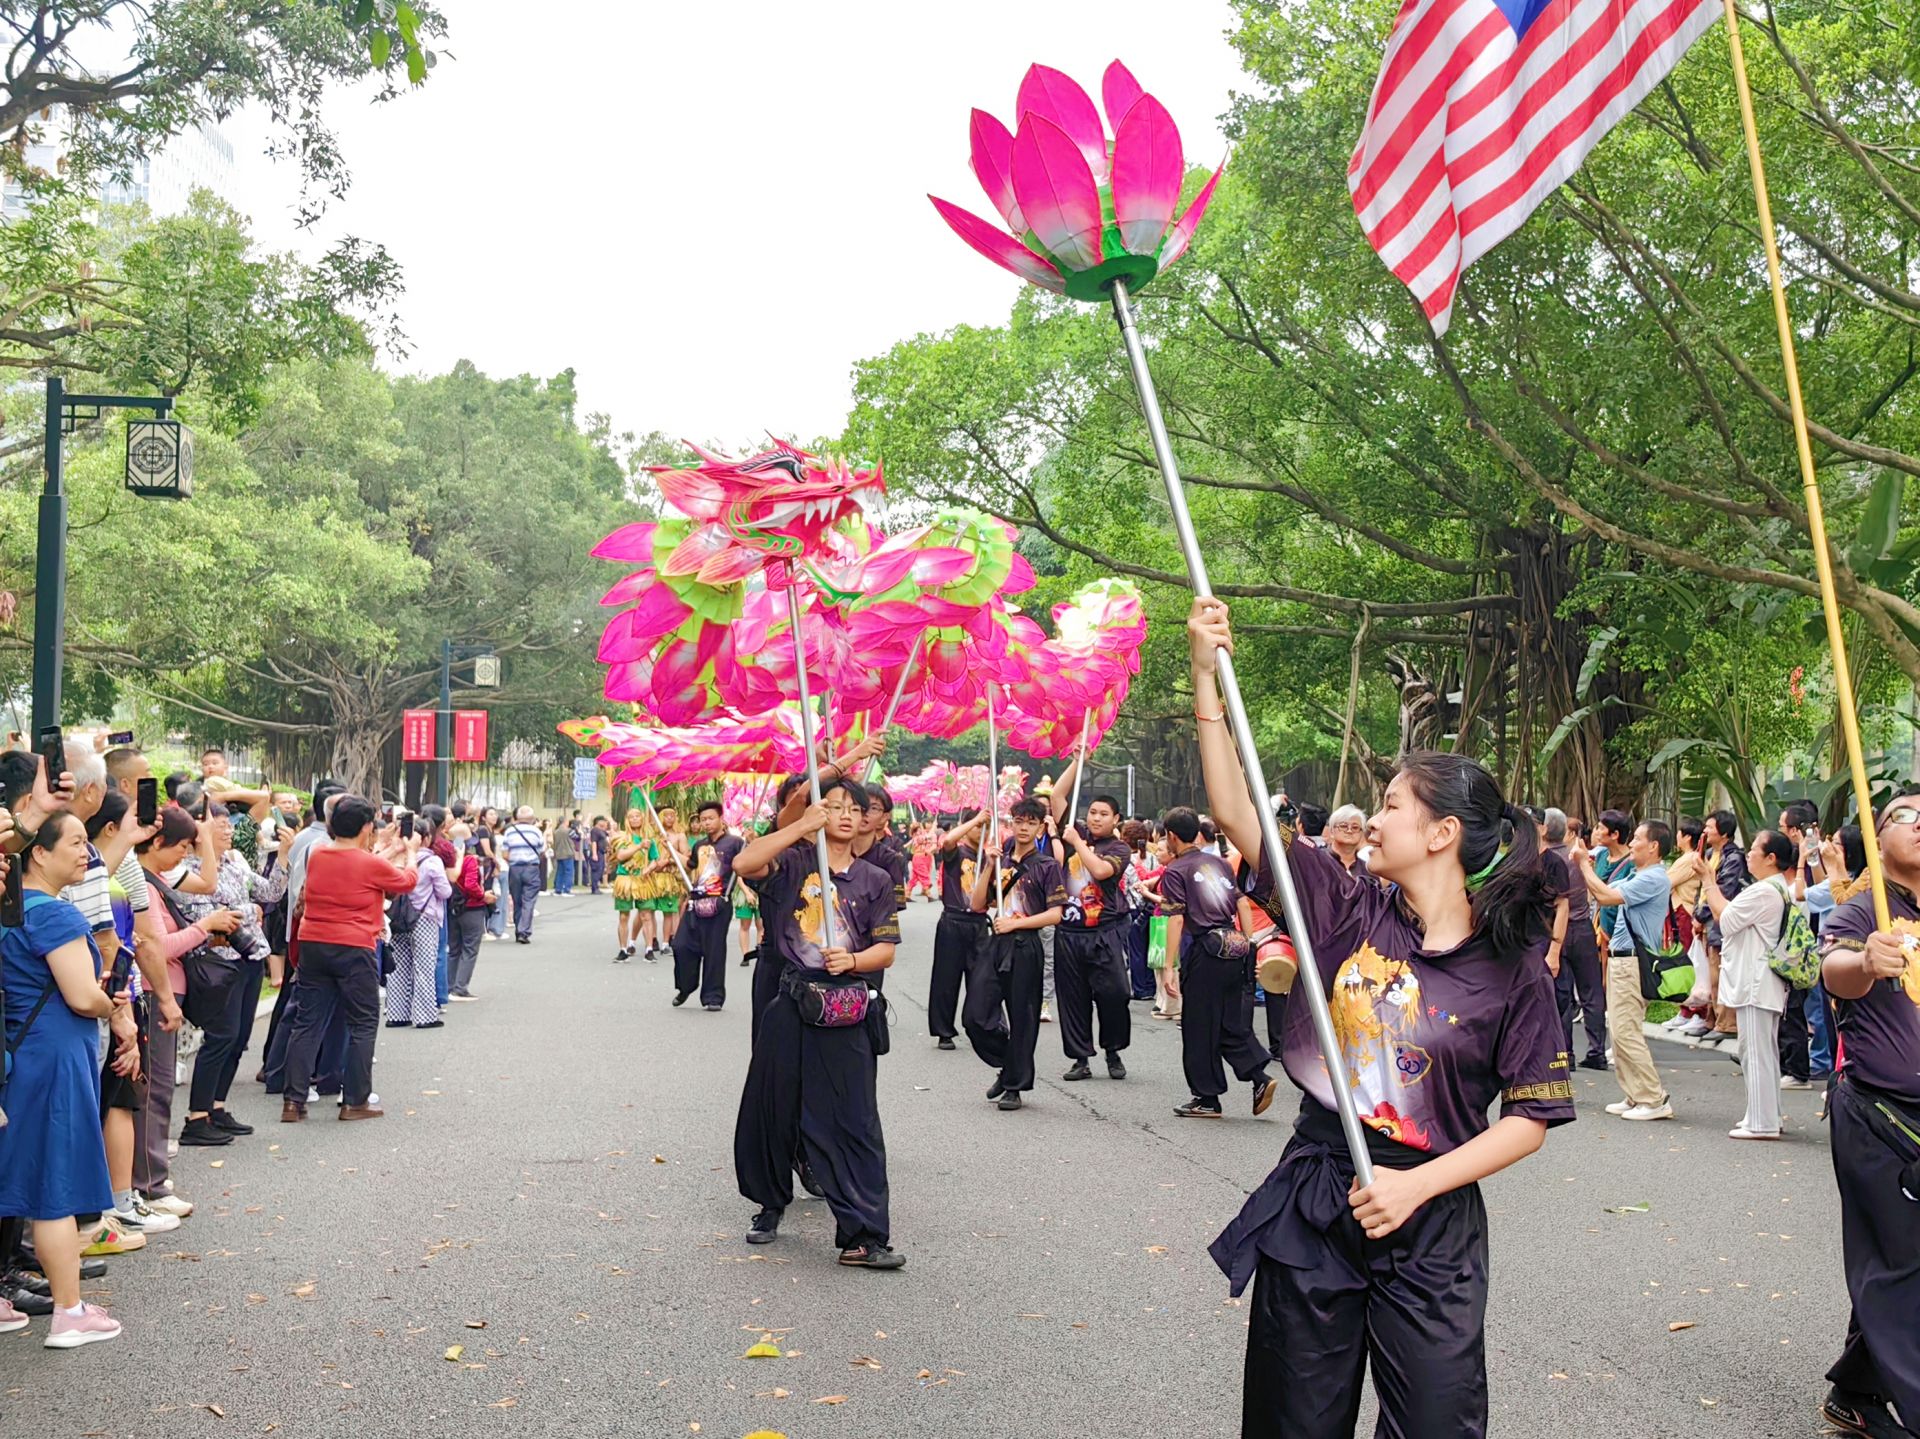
(993, 804)
(827, 940)
(1079, 771)
(1130, 809)
(647, 795)
(1249, 756)
(898, 690)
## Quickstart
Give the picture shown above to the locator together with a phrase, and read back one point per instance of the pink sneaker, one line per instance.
(11, 1319)
(89, 1326)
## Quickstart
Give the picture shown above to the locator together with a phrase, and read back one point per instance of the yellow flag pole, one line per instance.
(1810, 483)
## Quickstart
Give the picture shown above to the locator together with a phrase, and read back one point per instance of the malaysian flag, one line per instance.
(1483, 107)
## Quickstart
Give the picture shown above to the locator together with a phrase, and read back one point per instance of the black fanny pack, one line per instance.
(1895, 1125)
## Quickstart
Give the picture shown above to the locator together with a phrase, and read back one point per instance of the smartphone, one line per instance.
(52, 749)
(120, 736)
(122, 967)
(406, 826)
(146, 802)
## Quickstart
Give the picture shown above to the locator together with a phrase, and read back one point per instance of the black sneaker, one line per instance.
(30, 1302)
(681, 998)
(946, 1042)
(1594, 1061)
(1861, 1414)
(1079, 1071)
(871, 1256)
(25, 1279)
(1010, 1100)
(203, 1132)
(621, 956)
(765, 1227)
(1263, 1090)
(997, 1090)
(1115, 1069)
(649, 955)
(223, 1119)
(1198, 1108)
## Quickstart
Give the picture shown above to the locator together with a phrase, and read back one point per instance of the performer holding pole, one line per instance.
(1090, 946)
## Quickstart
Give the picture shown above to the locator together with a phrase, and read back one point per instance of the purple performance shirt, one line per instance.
(1430, 1039)
(863, 910)
(1093, 902)
(1880, 1031)
(1031, 886)
(1200, 887)
(956, 877)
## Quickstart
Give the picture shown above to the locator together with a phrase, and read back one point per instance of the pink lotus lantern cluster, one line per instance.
(1082, 672)
(1080, 210)
(699, 754)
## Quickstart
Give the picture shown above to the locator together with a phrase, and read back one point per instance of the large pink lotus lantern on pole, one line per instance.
(1094, 221)
(1083, 210)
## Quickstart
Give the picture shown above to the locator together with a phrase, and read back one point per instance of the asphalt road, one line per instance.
(552, 1192)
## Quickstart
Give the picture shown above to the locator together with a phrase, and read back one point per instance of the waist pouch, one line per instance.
(705, 906)
(828, 1003)
(1895, 1125)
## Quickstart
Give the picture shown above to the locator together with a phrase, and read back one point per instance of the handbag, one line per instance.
(1157, 942)
(826, 1005)
(1667, 972)
(210, 974)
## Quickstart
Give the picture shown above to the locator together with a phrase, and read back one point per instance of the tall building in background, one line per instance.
(200, 158)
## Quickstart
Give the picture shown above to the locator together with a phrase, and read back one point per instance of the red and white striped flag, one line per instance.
(1483, 107)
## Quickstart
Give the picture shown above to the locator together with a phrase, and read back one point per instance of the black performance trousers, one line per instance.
(1090, 975)
(767, 965)
(1002, 1015)
(1796, 1040)
(1577, 988)
(1880, 1246)
(810, 1091)
(958, 936)
(1216, 1021)
(700, 955)
(1413, 1305)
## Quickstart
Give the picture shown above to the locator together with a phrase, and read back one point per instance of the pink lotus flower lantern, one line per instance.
(1083, 210)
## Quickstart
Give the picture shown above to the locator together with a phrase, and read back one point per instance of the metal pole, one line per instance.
(443, 725)
(899, 689)
(827, 940)
(1079, 770)
(50, 573)
(1274, 851)
(1130, 809)
(993, 803)
(647, 795)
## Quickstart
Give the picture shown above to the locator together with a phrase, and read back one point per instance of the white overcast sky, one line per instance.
(712, 210)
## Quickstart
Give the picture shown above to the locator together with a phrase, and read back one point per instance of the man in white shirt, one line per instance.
(526, 852)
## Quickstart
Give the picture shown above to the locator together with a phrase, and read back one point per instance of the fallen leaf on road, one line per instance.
(454, 1351)
(1641, 1208)
(214, 1409)
(765, 1434)
(429, 1091)
(476, 1324)
(1033, 1316)
(773, 1394)
(506, 1403)
(217, 1164)
(1156, 1249)
(924, 1374)
(879, 1334)
(865, 1361)
(1706, 1403)
(762, 1351)
(1678, 1325)
(256, 1299)
(659, 1159)
(303, 1291)
(831, 1399)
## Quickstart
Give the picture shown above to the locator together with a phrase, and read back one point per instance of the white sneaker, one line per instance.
(1662, 1110)
(1787, 1081)
(170, 1204)
(1046, 1011)
(313, 1095)
(173, 1148)
(142, 1220)
(1620, 1106)
(1696, 1026)
(1679, 1021)
(1740, 1131)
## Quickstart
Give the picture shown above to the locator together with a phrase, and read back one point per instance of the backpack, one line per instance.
(1794, 956)
(457, 900)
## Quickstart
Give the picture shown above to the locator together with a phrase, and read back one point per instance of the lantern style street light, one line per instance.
(159, 464)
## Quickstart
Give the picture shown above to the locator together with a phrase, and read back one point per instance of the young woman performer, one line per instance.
(1441, 1003)
(811, 1085)
(629, 854)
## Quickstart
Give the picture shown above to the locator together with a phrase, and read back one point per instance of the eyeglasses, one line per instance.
(841, 809)
(1904, 814)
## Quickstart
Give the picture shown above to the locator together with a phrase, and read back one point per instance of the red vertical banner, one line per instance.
(416, 735)
(470, 736)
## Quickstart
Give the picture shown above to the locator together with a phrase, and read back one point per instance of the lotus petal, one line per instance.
(1147, 171)
(1118, 91)
(1000, 248)
(992, 161)
(1182, 233)
(1058, 98)
(729, 566)
(695, 550)
(630, 682)
(1020, 576)
(625, 592)
(1056, 192)
(632, 543)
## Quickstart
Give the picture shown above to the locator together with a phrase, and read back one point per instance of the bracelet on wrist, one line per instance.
(1210, 719)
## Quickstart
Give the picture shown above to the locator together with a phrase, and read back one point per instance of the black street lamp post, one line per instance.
(159, 463)
(443, 721)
